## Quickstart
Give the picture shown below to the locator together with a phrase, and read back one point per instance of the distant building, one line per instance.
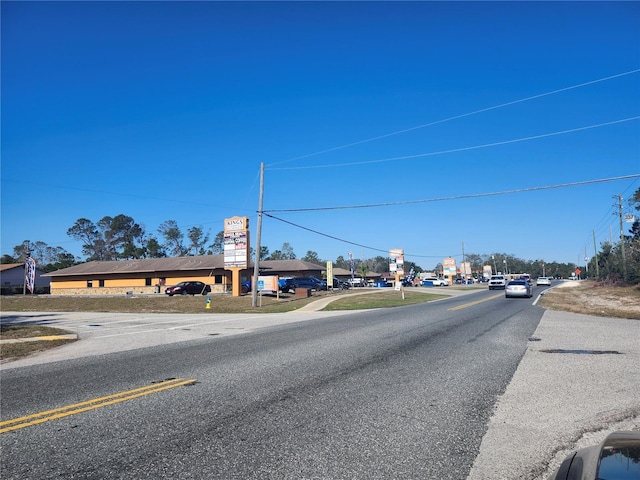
(12, 279)
(153, 275)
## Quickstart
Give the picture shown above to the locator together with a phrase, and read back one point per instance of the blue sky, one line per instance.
(166, 110)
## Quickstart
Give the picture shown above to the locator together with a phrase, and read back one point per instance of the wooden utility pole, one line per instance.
(624, 257)
(256, 261)
(595, 250)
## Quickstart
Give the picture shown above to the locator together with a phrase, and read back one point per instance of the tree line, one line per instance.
(122, 238)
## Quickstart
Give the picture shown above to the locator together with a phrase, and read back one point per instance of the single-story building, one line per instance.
(153, 275)
(12, 278)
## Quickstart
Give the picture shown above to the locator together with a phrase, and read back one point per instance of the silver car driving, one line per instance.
(518, 288)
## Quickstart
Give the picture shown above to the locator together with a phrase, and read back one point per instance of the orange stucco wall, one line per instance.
(121, 284)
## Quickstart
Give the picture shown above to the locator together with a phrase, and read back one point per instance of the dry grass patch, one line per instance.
(593, 298)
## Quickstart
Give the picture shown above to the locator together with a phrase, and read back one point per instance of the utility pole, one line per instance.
(586, 261)
(624, 257)
(256, 261)
(595, 254)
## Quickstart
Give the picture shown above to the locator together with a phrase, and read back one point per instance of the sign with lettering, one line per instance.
(396, 261)
(236, 242)
(449, 266)
(236, 223)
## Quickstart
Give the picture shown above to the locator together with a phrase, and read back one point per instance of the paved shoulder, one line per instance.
(578, 382)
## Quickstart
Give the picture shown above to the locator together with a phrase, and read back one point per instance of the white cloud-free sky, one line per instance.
(444, 121)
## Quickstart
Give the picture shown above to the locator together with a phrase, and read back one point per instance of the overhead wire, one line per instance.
(271, 166)
(455, 150)
(268, 213)
(459, 197)
(343, 240)
(456, 117)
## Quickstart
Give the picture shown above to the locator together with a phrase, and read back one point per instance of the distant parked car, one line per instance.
(518, 288)
(188, 288)
(340, 284)
(435, 282)
(543, 281)
(304, 282)
(282, 284)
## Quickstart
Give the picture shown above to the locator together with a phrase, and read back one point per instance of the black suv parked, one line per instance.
(313, 283)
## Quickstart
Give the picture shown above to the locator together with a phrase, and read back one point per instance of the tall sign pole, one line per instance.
(236, 249)
(396, 265)
(256, 261)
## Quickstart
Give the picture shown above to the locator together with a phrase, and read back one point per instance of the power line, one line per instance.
(264, 212)
(345, 241)
(526, 99)
(459, 197)
(461, 149)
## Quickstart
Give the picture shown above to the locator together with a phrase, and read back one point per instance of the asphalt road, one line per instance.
(327, 395)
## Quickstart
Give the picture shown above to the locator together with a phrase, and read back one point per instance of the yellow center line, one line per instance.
(465, 305)
(45, 416)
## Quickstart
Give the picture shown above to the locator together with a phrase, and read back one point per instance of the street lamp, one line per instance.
(495, 270)
(506, 268)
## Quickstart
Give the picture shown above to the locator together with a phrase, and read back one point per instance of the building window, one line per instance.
(89, 283)
(101, 283)
(147, 282)
(218, 279)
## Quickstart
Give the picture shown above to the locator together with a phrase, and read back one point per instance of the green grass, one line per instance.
(23, 349)
(348, 300)
(383, 299)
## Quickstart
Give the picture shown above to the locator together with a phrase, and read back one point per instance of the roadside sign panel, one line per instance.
(236, 242)
(449, 266)
(396, 261)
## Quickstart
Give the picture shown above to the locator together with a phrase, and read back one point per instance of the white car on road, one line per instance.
(497, 281)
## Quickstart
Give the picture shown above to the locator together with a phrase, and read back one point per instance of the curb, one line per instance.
(69, 336)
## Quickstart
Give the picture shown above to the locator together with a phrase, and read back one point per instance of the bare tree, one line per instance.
(173, 237)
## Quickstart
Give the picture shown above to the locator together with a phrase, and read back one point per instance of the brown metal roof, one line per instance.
(283, 266)
(155, 265)
(203, 262)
